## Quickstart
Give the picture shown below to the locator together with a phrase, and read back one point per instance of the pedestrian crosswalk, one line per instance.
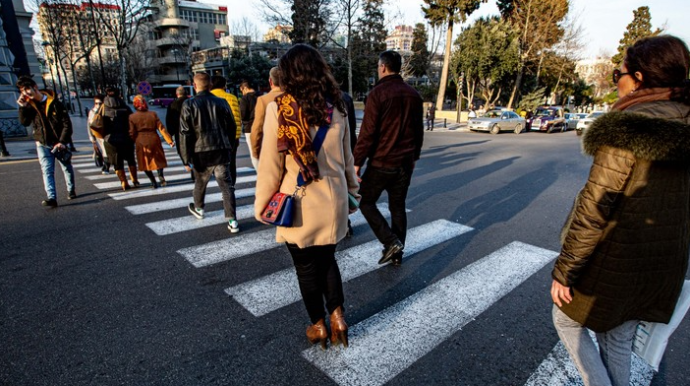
(385, 344)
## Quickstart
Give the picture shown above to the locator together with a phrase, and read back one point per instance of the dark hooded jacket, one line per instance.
(625, 244)
(55, 126)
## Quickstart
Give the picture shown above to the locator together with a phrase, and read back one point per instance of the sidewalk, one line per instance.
(25, 148)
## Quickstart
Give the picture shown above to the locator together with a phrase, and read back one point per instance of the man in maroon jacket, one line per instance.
(390, 138)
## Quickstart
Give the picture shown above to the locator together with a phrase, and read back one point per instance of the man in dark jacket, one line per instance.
(247, 107)
(52, 130)
(390, 138)
(207, 140)
(172, 116)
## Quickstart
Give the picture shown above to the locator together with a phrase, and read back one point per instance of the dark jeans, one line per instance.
(319, 278)
(395, 182)
(225, 183)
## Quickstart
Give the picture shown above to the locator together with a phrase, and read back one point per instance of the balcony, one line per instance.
(171, 23)
(172, 59)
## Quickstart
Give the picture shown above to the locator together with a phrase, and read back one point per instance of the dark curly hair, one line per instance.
(664, 61)
(305, 75)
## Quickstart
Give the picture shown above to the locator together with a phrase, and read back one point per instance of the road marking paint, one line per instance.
(385, 344)
(145, 182)
(280, 289)
(168, 169)
(138, 193)
(246, 244)
(187, 223)
(559, 370)
(160, 206)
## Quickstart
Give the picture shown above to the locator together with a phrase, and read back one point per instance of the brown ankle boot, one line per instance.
(317, 333)
(338, 327)
(123, 179)
(133, 176)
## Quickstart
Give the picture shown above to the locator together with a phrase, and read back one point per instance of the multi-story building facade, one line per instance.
(68, 31)
(179, 28)
(278, 34)
(596, 72)
(400, 39)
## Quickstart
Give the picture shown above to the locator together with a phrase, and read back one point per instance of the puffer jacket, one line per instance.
(206, 124)
(234, 108)
(625, 244)
(59, 127)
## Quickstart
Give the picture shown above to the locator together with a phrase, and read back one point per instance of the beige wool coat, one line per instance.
(321, 212)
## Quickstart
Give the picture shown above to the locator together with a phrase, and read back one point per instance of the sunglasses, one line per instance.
(617, 74)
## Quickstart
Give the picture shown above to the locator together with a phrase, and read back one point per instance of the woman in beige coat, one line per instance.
(320, 219)
(144, 126)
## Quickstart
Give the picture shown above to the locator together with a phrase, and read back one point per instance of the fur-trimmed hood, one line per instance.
(644, 132)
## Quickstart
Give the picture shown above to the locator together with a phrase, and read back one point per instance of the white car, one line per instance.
(572, 119)
(495, 121)
(582, 124)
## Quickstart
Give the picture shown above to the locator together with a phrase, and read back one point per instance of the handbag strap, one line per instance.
(316, 144)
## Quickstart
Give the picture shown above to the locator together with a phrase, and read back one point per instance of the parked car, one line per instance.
(549, 119)
(584, 123)
(571, 119)
(495, 121)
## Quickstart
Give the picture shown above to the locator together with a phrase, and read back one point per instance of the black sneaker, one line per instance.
(397, 259)
(390, 251)
(49, 202)
(72, 195)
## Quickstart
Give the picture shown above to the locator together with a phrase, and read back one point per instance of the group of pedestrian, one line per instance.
(625, 244)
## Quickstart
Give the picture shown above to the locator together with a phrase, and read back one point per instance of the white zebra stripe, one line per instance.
(138, 193)
(387, 343)
(159, 206)
(280, 289)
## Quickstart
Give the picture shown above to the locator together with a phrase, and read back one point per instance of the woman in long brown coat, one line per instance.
(321, 208)
(144, 126)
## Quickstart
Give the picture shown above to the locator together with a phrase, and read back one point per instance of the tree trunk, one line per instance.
(123, 76)
(440, 98)
(76, 91)
(518, 80)
(541, 62)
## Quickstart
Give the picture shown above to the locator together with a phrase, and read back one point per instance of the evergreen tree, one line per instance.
(449, 12)
(309, 19)
(370, 40)
(420, 53)
(639, 28)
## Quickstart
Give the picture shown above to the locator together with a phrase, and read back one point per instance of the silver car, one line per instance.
(572, 118)
(495, 121)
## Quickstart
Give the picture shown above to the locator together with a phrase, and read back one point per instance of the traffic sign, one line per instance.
(144, 88)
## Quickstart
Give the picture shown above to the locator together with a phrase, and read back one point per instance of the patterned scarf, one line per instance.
(294, 138)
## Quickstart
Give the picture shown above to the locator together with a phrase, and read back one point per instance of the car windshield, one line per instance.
(544, 113)
(595, 114)
(492, 114)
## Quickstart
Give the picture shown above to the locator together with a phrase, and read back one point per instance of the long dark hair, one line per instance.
(305, 75)
(664, 61)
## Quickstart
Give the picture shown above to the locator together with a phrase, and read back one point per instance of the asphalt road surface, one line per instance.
(128, 288)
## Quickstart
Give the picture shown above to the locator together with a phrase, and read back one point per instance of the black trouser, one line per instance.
(395, 182)
(319, 278)
(225, 183)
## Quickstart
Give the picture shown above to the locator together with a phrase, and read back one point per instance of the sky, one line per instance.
(603, 21)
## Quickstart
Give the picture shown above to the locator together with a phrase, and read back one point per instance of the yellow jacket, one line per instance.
(234, 106)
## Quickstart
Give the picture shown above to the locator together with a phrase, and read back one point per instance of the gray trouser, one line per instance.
(607, 366)
(225, 183)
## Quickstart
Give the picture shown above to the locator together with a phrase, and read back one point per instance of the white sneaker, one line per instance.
(233, 226)
(198, 213)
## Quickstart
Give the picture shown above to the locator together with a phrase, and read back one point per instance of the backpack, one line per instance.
(97, 124)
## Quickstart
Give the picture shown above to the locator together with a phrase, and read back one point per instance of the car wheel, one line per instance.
(518, 129)
(494, 129)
